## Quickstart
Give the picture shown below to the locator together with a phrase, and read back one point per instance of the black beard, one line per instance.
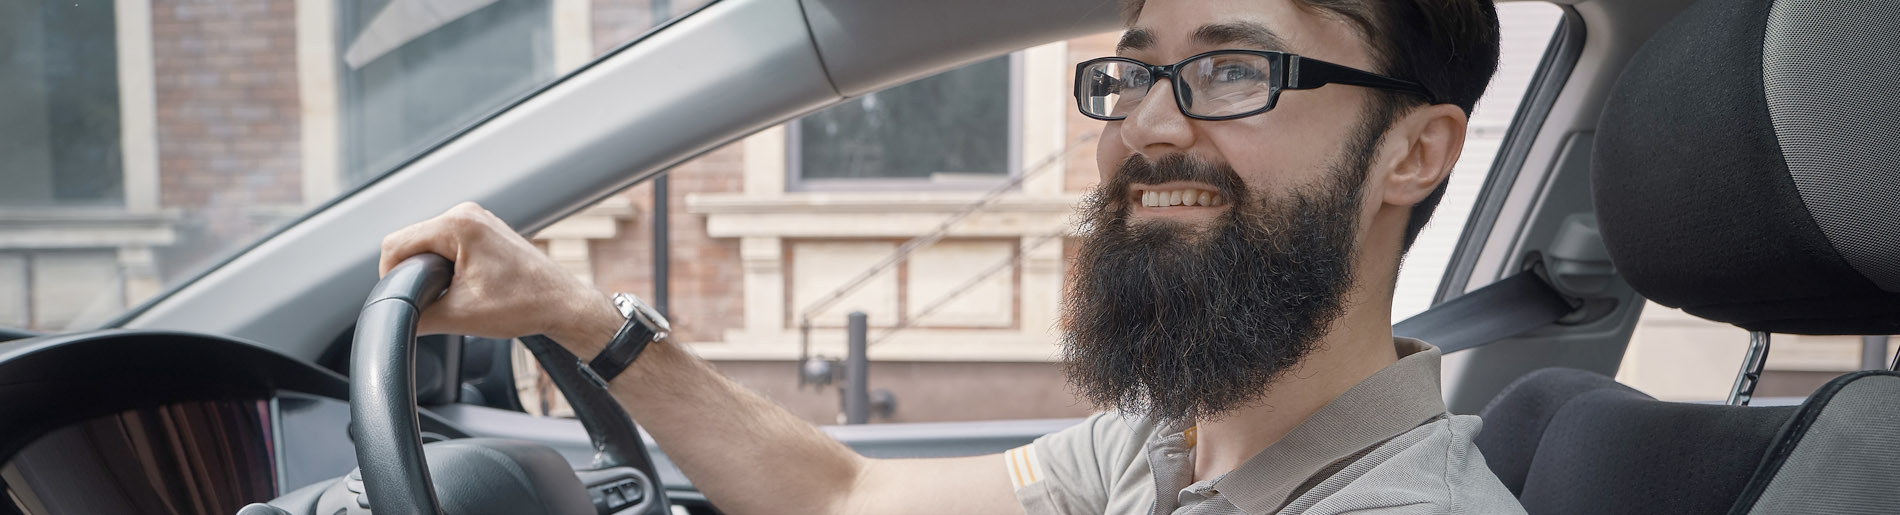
(1180, 324)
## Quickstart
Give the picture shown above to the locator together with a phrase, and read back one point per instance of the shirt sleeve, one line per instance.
(1061, 473)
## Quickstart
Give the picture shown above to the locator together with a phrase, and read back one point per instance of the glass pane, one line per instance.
(1525, 32)
(400, 100)
(151, 139)
(58, 145)
(1677, 356)
(938, 128)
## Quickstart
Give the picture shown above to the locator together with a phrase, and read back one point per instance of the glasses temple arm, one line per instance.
(1309, 73)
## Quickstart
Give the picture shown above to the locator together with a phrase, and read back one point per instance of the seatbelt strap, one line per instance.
(1497, 311)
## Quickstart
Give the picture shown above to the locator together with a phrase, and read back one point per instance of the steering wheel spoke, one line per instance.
(618, 489)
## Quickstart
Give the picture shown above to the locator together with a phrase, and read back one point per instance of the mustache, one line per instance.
(1180, 166)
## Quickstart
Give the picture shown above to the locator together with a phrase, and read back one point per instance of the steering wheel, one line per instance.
(476, 476)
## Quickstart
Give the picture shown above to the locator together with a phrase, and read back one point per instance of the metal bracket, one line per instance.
(1750, 374)
(1577, 265)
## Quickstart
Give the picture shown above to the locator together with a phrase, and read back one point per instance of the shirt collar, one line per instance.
(1389, 403)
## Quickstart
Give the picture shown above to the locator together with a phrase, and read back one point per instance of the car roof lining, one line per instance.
(869, 45)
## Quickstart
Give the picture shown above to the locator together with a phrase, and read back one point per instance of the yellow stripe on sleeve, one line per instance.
(1022, 463)
(1015, 472)
(1035, 463)
(1024, 467)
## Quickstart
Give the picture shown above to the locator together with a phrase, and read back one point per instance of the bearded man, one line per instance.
(1265, 164)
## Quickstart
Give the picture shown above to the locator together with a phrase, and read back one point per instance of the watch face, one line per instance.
(633, 307)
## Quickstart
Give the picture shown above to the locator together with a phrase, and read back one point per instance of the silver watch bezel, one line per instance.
(632, 308)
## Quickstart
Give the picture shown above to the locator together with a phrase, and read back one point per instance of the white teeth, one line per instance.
(1183, 197)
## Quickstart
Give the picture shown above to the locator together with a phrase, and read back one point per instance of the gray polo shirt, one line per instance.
(1386, 446)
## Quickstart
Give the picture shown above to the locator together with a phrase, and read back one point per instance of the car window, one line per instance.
(146, 141)
(1677, 356)
(766, 233)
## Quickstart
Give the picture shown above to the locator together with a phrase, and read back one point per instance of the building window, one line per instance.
(410, 81)
(59, 97)
(955, 129)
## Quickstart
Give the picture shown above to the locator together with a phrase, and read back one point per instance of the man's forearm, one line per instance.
(744, 452)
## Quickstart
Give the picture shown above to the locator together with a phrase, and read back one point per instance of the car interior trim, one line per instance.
(1553, 72)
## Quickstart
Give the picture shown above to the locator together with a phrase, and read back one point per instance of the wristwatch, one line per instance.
(644, 326)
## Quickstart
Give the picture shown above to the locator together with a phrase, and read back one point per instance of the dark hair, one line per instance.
(1450, 46)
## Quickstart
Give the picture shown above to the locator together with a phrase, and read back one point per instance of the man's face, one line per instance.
(1186, 312)
(1274, 152)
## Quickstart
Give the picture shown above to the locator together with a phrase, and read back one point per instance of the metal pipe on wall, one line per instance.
(661, 253)
(857, 369)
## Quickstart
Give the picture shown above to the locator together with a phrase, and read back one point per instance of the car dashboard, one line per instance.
(135, 422)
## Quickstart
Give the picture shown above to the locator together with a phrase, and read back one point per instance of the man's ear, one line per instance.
(1419, 151)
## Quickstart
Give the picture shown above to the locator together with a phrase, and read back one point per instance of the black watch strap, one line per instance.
(643, 327)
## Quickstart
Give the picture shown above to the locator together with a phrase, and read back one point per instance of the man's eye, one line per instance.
(1236, 73)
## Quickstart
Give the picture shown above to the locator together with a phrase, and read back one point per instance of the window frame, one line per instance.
(794, 160)
(1560, 59)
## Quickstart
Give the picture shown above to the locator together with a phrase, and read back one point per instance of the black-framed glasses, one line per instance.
(1217, 85)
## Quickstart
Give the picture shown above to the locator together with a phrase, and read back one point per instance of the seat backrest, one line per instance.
(1836, 456)
(1570, 441)
(1514, 421)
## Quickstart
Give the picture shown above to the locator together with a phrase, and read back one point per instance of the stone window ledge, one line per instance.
(878, 214)
(69, 228)
(596, 222)
(872, 202)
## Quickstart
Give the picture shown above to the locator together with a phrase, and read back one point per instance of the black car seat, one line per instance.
(1747, 171)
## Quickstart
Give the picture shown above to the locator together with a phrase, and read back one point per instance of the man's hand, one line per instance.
(504, 287)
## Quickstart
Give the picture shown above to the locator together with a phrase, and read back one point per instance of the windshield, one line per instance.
(145, 141)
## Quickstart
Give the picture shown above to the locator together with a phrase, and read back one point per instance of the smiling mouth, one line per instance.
(1179, 197)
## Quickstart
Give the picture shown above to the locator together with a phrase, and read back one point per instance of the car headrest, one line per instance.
(1747, 166)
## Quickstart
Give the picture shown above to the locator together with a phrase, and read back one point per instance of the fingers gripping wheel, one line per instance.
(395, 472)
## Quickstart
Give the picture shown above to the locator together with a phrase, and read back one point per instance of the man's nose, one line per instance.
(1157, 126)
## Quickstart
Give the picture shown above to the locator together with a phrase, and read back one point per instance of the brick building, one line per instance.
(147, 139)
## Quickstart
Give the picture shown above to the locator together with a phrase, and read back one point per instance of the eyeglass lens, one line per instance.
(1214, 85)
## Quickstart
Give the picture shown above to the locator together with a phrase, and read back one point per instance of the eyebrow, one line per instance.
(1214, 34)
(1243, 32)
(1135, 39)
